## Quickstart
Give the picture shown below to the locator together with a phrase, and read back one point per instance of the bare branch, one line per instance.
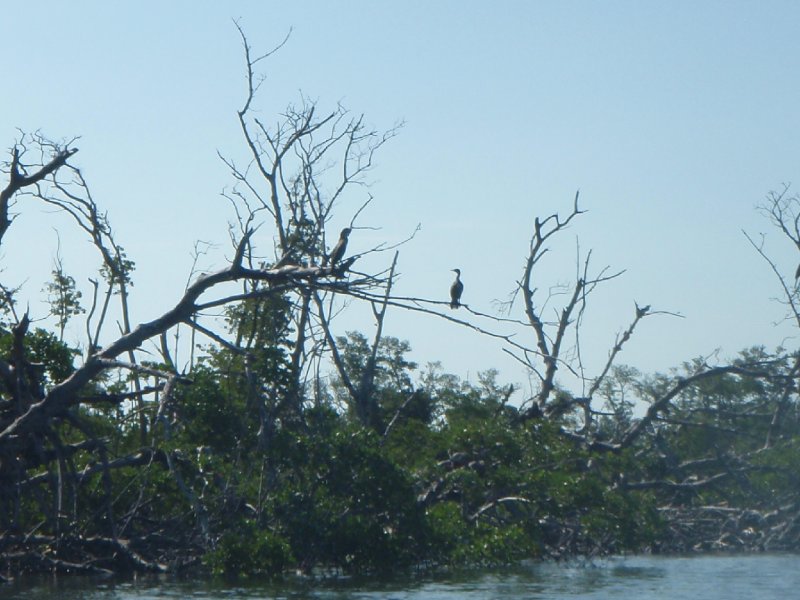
(19, 176)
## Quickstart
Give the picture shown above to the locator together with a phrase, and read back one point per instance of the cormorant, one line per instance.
(456, 289)
(338, 250)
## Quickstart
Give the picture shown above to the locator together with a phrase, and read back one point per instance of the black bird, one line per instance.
(797, 273)
(338, 250)
(456, 289)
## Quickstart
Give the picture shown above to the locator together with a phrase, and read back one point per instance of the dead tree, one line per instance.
(554, 333)
(297, 173)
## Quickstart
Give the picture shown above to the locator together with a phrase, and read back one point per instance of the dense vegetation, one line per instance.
(455, 476)
(285, 446)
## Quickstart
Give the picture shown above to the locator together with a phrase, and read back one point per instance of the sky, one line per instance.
(673, 119)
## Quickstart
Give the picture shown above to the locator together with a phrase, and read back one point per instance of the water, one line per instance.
(737, 577)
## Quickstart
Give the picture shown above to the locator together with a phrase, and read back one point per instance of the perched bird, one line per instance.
(456, 289)
(797, 273)
(338, 250)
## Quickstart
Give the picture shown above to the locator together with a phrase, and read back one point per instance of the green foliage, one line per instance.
(735, 421)
(249, 474)
(63, 297)
(455, 540)
(213, 414)
(117, 269)
(393, 378)
(246, 550)
(44, 348)
(342, 503)
(455, 479)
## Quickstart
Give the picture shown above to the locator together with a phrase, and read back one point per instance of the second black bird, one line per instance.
(456, 290)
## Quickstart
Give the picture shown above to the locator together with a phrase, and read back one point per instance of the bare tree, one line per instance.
(557, 335)
(557, 330)
(297, 174)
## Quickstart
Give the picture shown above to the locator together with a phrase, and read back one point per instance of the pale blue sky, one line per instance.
(674, 119)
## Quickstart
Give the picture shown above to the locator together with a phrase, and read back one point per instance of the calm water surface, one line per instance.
(754, 577)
